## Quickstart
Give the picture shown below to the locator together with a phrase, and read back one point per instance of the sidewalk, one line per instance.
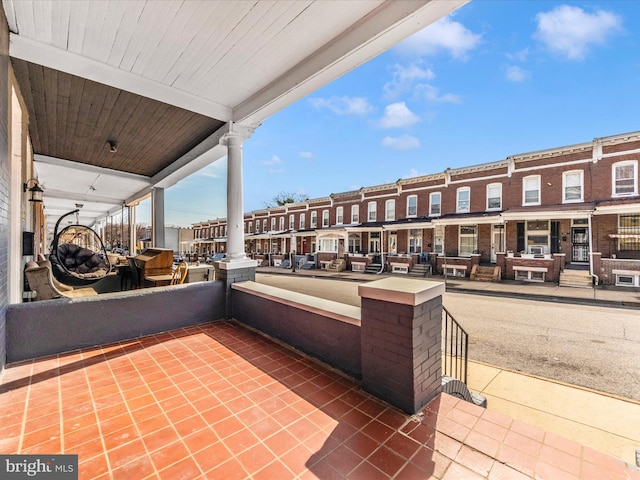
(603, 422)
(610, 296)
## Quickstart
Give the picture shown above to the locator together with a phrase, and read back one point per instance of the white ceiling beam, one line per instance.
(78, 197)
(73, 64)
(85, 167)
(383, 28)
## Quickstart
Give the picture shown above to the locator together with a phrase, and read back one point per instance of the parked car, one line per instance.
(215, 257)
(178, 258)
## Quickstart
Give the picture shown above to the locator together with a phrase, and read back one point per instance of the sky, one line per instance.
(495, 78)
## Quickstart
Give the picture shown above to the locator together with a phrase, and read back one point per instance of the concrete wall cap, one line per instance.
(237, 264)
(405, 291)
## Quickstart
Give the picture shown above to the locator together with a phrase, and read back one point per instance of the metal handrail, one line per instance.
(455, 348)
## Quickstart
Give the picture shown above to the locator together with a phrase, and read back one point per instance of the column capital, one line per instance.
(237, 133)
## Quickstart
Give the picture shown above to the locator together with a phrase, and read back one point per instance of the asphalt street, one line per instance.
(596, 347)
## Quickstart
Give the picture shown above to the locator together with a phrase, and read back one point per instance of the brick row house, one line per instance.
(535, 216)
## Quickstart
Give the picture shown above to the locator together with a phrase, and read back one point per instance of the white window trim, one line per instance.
(431, 214)
(314, 220)
(355, 213)
(292, 222)
(281, 223)
(467, 235)
(499, 185)
(564, 185)
(257, 226)
(634, 163)
(302, 221)
(524, 181)
(373, 210)
(387, 217)
(325, 215)
(339, 215)
(412, 215)
(458, 191)
(273, 224)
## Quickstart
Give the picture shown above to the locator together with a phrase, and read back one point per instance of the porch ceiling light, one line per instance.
(35, 191)
(113, 146)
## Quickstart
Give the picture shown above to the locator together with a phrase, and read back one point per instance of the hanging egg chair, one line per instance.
(78, 256)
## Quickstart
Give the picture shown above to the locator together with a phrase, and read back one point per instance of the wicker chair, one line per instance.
(42, 281)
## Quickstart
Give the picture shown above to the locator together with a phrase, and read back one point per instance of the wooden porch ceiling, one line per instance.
(76, 118)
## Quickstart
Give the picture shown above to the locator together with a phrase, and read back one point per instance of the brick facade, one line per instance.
(464, 202)
(5, 174)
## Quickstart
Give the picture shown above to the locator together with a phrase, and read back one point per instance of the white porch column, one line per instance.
(132, 230)
(157, 217)
(235, 201)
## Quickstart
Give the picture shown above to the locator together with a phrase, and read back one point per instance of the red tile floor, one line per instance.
(220, 401)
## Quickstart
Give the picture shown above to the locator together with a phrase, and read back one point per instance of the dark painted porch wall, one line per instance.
(333, 341)
(54, 326)
(5, 174)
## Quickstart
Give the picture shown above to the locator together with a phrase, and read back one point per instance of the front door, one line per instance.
(393, 242)
(497, 241)
(580, 244)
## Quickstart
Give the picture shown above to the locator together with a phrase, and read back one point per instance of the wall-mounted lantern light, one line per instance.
(35, 191)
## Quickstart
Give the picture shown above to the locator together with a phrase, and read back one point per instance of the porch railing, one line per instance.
(455, 348)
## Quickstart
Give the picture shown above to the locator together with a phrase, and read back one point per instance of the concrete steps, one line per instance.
(575, 278)
(485, 274)
(419, 270)
(373, 268)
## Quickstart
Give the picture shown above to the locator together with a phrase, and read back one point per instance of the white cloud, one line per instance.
(445, 34)
(570, 31)
(398, 115)
(413, 173)
(404, 78)
(403, 142)
(520, 56)
(517, 74)
(275, 160)
(432, 94)
(343, 105)
(305, 155)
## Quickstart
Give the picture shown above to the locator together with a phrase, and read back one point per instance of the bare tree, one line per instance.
(283, 198)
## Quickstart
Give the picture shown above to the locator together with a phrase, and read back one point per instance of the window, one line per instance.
(292, 222)
(301, 225)
(314, 219)
(625, 178)
(572, 186)
(273, 224)
(354, 243)
(537, 236)
(249, 227)
(412, 206)
(390, 210)
(355, 213)
(468, 240)
(325, 218)
(372, 215)
(257, 226)
(281, 223)
(531, 190)
(264, 225)
(435, 202)
(328, 245)
(629, 232)
(494, 196)
(339, 216)
(463, 199)
(216, 232)
(415, 241)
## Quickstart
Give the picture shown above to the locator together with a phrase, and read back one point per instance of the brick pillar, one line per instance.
(233, 272)
(401, 332)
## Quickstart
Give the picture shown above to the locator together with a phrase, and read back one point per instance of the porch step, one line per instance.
(575, 278)
(419, 270)
(485, 274)
(373, 268)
